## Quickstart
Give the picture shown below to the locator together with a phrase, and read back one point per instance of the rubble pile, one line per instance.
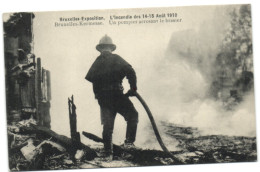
(29, 150)
(34, 151)
(211, 148)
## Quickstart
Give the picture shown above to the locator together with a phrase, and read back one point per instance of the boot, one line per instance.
(129, 146)
(131, 132)
(108, 151)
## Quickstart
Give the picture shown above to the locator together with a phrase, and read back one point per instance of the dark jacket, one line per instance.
(108, 71)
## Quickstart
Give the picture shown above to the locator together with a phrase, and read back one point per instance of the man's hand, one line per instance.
(131, 92)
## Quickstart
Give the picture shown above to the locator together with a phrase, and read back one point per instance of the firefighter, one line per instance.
(106, 75)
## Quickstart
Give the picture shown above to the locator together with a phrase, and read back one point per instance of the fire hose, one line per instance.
(155, 129)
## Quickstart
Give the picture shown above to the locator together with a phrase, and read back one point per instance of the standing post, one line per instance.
(46, 98)
(49, 85)
(38, 91)
(75, 136)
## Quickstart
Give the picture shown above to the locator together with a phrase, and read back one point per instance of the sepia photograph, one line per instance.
(129, 87)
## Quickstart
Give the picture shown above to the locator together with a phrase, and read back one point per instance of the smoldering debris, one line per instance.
(200, 148)
(33, 147)
(193, 148)
(29, 149)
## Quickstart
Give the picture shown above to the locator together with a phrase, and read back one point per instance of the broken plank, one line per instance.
(46, 133)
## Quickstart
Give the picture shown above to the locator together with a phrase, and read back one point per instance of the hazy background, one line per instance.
(172, 85)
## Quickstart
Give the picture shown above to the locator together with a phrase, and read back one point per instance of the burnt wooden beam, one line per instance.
(117, 149)
(73, 120)
(75, 136)
(46, 133)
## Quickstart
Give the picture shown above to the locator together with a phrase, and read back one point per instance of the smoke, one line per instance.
(178, 90)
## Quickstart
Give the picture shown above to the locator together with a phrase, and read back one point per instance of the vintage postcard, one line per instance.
(129, 87)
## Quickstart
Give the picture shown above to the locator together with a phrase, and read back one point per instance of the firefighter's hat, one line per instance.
(104, 42)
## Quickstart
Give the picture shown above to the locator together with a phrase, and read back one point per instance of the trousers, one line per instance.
(111, 103)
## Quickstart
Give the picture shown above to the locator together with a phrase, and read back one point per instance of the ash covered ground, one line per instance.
(193, 148)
